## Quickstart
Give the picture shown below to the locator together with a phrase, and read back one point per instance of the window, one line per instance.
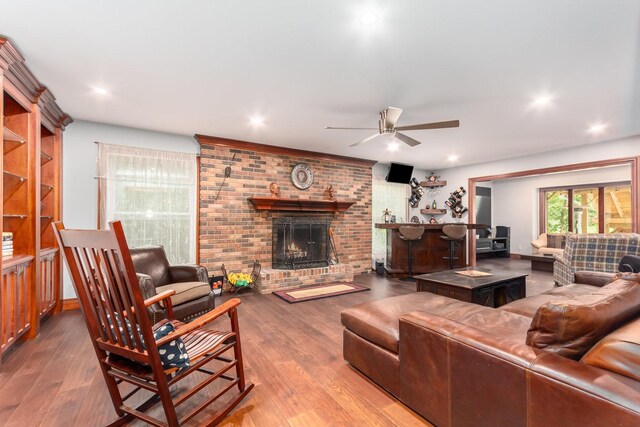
(557, 212)
(154, 194)
(617, 209)
(585, 210)
(392, 196)
(595, 208)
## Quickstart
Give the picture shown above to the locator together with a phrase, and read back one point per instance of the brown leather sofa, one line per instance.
(460, 364)
(193, 296)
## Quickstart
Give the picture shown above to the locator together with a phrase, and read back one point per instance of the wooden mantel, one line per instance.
(299, 205)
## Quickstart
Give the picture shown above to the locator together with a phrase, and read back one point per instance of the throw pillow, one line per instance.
(128, 337)
(174, 353)
(618, 352)
(571, 327)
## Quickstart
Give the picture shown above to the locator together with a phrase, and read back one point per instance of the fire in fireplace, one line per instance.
(300, 242)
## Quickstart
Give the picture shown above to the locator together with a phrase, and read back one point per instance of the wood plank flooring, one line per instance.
(293, 354)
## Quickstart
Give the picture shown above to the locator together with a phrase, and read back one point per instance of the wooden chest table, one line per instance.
(540, 262)
(500, 288)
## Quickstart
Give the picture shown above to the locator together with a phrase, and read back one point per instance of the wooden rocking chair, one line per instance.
(123, 338)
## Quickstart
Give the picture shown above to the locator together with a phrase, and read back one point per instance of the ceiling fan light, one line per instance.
(368, 18)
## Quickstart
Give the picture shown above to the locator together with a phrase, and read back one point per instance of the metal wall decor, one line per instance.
(455, 203)
(416, 193)
(302, 176)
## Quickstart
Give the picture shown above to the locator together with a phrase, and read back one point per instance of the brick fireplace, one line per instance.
(234, 233)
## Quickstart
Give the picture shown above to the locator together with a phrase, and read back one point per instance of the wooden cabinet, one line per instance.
(428, 253)
(48, 296)
(31, 130)
(14, 299)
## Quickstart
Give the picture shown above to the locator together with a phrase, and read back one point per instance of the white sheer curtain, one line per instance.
(392, 196)
(154, 194)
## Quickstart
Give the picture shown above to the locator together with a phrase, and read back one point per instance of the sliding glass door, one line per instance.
(584, 209)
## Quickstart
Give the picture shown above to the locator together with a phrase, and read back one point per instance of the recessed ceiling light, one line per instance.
(597, 128)
(369, 18)
(542, 101)
(393, 146)
(452, 157)
(100, 91)
(256, 121)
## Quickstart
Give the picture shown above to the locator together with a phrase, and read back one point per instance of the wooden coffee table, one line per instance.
(500, 288)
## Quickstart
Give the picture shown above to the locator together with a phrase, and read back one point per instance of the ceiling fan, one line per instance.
(387, 126)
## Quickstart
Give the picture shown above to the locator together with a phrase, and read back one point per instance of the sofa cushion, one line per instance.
(529, 305)
(186, 291)
(634, 277)
(379, 321)
(618, 352)
(550, 251)
(570, 327)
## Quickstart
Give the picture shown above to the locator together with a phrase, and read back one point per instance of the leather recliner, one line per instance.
(193, 296)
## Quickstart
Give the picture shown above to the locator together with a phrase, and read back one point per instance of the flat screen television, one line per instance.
(399, 173)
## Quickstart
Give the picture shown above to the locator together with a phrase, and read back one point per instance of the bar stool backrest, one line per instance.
(455, 231)
(408, 232)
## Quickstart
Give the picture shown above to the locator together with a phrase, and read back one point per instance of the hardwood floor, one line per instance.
(293, 354)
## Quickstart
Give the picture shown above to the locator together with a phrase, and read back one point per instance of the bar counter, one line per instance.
(428, 252)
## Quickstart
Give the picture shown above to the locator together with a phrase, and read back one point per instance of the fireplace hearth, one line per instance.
(300, 242)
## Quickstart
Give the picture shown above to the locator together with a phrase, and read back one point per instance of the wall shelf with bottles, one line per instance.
(433, 184)
(433, 211)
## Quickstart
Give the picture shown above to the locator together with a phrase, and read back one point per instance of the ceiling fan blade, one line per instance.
(365, 140)
(333, 127)
(435, 125)
(391, 116)
(407, 139)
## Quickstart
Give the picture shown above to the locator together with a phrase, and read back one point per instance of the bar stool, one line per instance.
(453, 233)
(410, 234)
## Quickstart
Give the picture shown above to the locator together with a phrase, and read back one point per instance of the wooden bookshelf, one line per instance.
(31, 130)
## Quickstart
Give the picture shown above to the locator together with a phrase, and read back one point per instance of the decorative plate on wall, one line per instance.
(302, 176)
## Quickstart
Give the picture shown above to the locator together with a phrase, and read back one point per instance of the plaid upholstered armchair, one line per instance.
(593, 252)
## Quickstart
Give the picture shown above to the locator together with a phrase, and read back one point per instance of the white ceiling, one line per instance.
(205, 66)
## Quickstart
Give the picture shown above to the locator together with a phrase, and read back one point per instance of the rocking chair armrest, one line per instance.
(159, 297)
(200, 321)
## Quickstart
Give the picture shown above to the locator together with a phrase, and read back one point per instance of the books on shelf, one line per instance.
(7, 244)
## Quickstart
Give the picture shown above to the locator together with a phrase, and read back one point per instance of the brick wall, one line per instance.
(234, 233)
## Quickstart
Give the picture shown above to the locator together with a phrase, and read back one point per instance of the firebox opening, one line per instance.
(300, 242)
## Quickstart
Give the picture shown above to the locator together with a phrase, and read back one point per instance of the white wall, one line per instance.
(515, 202)
(526, 227)
(458, 176)
(79, 155)
(380, 170)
